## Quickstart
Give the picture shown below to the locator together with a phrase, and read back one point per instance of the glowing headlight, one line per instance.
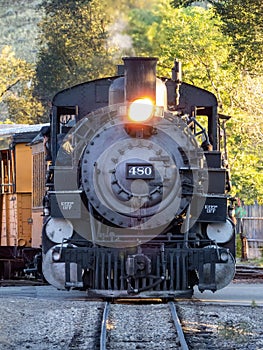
(141, 110)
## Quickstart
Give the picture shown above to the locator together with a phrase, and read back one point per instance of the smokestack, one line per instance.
(140, 78)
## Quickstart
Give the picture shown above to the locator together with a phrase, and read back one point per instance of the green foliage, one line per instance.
(16, 92)
(73, 44)
(193, 36)
(242, 21)
(245, 140)
(245, 148)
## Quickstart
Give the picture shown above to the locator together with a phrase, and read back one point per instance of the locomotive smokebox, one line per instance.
(140, 78)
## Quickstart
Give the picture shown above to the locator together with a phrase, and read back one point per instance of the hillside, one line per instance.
(18, 26)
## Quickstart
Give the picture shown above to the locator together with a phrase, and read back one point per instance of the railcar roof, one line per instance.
(12, 129)
(17, 133)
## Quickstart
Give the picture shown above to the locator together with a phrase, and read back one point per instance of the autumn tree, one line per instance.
(16, 90)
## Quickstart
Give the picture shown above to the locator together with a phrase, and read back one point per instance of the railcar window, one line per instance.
(7, 172)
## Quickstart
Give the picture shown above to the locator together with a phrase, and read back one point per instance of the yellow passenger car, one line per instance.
(16, 199)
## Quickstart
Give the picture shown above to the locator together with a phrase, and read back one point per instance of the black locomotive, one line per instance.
(136, 202)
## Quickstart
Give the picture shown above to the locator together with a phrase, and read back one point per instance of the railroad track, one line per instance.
(249, 272)
(146, 326)
(16, 282)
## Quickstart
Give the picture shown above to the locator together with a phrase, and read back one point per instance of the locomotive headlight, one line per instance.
(56, 255)
(141, 110)
(224, 256)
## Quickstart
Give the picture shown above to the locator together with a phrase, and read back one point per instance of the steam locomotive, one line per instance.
(137, 188)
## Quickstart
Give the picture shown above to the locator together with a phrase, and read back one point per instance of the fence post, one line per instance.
(244, 248)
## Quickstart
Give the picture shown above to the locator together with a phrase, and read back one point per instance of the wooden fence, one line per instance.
(253, 230)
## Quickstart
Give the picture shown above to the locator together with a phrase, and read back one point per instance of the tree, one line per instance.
(191, 35)
(246, 139)
(16, 91)
(73, 44)
(242, 21)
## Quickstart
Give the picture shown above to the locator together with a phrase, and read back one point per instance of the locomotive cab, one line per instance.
(136, 199)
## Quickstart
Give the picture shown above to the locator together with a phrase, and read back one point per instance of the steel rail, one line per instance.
(103, 331)
(178, 326)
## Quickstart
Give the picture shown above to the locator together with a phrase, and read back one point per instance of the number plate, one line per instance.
(139, 171)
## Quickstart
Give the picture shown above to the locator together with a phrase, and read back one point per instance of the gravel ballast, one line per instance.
(47, 324)
(69, 322)
(222, 327)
